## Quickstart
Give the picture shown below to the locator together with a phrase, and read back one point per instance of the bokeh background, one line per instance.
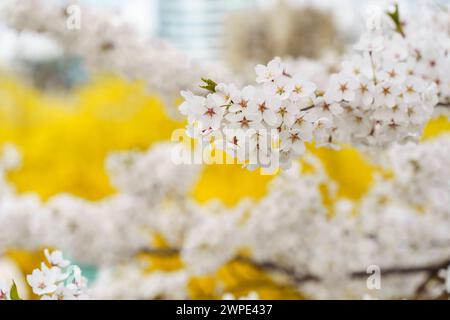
(65, 117)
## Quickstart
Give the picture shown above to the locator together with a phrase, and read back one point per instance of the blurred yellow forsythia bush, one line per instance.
(65, 139)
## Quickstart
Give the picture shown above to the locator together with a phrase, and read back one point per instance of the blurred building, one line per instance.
(281, 29)
(197, 26)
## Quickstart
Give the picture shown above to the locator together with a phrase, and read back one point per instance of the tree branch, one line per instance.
(270, 266)
(432, 269)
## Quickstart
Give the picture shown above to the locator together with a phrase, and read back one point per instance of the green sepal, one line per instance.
(209, 85)
(395, 17)
(13, 293)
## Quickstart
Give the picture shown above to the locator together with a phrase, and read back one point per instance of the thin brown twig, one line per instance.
(308, 108)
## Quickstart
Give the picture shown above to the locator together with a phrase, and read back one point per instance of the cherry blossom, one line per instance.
(267, 74)
(341, 87)
(374, 101)
(44, 281)
(56, 259)
(59, 282)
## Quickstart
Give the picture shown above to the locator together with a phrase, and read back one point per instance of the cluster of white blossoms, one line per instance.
(375, 100)
(58, 281)
(326, 251)
(422, 178)
(110, 232)
(425, 31)
(151, 199)
(108, 43)
(131, 282)
(125, 168)
(290, 227)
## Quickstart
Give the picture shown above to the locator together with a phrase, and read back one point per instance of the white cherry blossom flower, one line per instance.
(43, 281)
(303, 90)
(417, 115)
(224, 92)
(246, 118)
(322, 131)
(323, 109)
(211, 113)
(356, 66)
(281, 87)
(341, 87)
(287, 112)
(386, 94)
(56, 259)
(397, 114)
(241, 99)
(269, 73)
(62, 292)
(364, 92)
(266, 108)
(302, 120)
(393, 71)
(78, 279)
(191, 107)
(294, 139)
(413, 90)
(370, 42)
(358, 124)
(397, 50)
